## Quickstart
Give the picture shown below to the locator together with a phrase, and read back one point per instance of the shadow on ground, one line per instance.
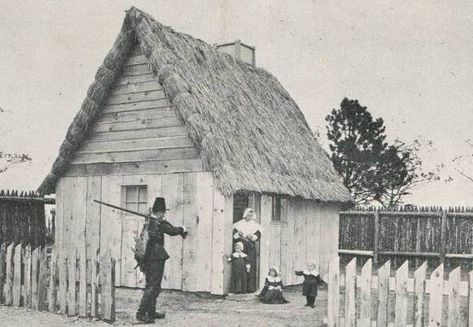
(194, 310)
(187, 310)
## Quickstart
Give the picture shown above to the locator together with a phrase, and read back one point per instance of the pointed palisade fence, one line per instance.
(23, 219)
(399, 298)
(429, 234)
(33, 278)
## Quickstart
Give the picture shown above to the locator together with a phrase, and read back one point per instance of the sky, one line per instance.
(408, 62)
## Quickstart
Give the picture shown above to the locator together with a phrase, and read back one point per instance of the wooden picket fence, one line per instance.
(23, 276)
(381, 300)
(33, 278)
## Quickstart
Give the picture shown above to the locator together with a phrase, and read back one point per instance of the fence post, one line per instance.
(52, 234)
(62, 287)
(52, 293)
(418, 240)
(43, 280)
(350, 289)
(16, 291)
(71, 289)
(113, 277)
(383, 293)
(27, 277)
(107, 269)
(333, 293)
(419, 289)
(34, 278)
(7, 289)
(454, 298)
(82, 282)
(400, 316)
(443, 232)
(94, 284)
(365, 299)
(470, 298)
(376, 239)
(436, 297)
(3, 268)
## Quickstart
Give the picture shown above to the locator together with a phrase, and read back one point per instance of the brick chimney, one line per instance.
(239, 50)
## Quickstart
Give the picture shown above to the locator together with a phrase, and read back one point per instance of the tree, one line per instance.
(463, 163)
(372, 169)
(356, 142)
(403, 170)
(8, 159)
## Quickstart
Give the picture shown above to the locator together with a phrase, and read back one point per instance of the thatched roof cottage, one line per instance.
(170, 115)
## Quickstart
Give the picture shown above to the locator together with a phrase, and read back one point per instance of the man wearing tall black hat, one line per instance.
(154, 260)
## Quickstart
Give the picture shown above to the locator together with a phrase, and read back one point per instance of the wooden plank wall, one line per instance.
(196, 263)
(194, 202)
(137, 131)
(307, 232)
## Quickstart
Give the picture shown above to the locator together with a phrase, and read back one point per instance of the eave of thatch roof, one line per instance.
(251, 134)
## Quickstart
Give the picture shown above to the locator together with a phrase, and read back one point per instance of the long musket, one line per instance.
(183, 235)
(122, 209)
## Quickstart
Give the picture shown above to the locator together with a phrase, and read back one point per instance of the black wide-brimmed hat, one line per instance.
(159, 205)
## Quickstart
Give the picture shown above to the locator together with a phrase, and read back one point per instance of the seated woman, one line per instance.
(248, 232)
(272, 291)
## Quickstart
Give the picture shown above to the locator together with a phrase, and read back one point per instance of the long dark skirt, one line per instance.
(239, 276)
(250, 251)
(272, 297)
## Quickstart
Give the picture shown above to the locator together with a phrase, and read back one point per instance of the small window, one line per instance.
(135, 198)
(276, 216)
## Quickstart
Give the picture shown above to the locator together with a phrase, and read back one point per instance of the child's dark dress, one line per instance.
(240, 262)
(311, 282)
(270, 294)
(309, 287)
(250, 248)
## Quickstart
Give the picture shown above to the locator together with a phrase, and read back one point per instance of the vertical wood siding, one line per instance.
(196, 263)
(308, 231)
(227, 239)
(173, 192)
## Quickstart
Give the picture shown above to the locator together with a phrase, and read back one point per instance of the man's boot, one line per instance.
(158, 315)
(141, 317)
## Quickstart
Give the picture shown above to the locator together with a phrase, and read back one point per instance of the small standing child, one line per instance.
(272, 290)
(311, 282)
(240, 268)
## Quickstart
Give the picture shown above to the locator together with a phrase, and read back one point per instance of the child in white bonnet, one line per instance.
(240, 268)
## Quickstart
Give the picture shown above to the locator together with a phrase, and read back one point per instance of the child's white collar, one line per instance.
(272, 279)
(239, 255)
(311, 272)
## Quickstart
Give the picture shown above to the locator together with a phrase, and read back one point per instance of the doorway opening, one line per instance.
(241, 201)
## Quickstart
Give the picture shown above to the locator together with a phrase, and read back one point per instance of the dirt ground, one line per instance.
(187, 310)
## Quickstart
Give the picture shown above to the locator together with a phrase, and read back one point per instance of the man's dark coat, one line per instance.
(153, 263)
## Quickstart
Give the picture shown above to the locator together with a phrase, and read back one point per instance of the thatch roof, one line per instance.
(251, 134)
